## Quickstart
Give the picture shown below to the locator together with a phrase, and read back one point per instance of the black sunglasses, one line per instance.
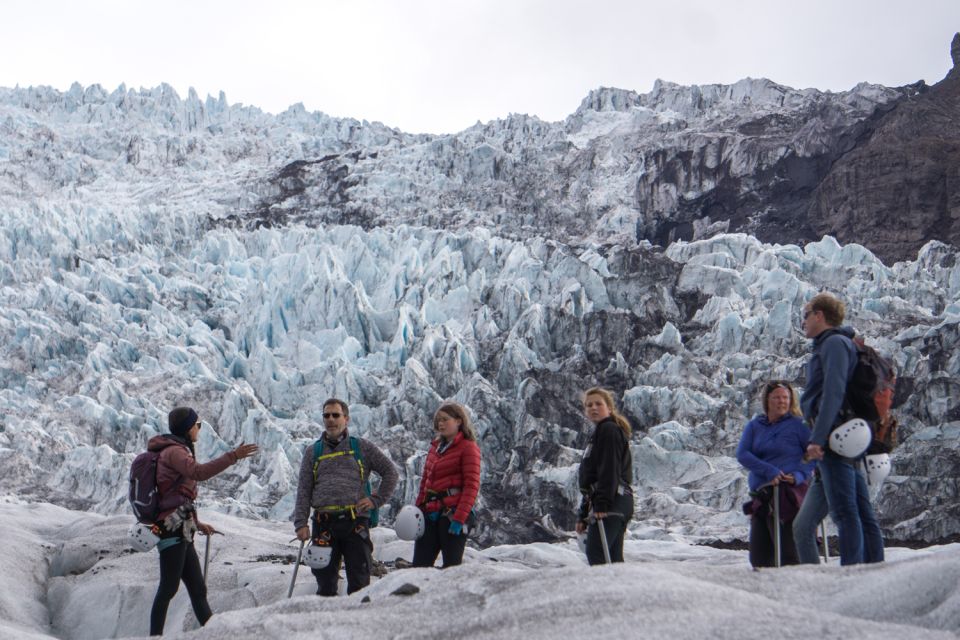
(332, 415)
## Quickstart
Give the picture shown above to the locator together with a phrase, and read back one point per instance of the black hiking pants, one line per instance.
(615, 526)
(178, 563)
(350, 544)
(762, 552)
(437, 539)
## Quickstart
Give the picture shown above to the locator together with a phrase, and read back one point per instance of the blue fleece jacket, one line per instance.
(830, 367)
(767, 449)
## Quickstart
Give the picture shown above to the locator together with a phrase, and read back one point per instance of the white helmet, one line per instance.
(318, 556)
(582, 542)
(878, 468)
(410, 523)
(141, 538)
(851, 438)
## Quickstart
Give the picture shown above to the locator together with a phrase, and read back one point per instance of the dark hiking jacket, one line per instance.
(606, 468)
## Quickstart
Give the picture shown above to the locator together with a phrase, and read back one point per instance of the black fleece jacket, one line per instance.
(607, 463)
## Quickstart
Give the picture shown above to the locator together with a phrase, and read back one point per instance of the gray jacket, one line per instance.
(339, 482)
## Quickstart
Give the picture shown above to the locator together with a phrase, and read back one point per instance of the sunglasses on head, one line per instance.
(777, 384)
(332, 415)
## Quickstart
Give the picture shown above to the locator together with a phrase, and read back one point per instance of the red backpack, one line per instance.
(869, 393)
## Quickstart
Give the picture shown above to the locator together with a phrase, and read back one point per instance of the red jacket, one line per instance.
(458, 467)
(177, 463)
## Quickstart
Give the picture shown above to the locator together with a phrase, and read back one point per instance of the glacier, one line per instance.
(257, 328)
(157, 251)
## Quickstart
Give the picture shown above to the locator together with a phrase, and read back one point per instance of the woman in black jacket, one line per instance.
(605, 475)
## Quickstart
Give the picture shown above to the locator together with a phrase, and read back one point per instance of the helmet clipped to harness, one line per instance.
(318, 556)
(851, 438)
(141, 537)
(410, 523)
(878, 468)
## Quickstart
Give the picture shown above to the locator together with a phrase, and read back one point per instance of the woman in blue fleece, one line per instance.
(772, 449)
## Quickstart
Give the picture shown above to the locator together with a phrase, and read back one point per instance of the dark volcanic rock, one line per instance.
(901, 187)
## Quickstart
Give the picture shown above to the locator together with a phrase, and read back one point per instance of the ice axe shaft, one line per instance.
(296, 568)
(776, 526)
(206, 555)
(826, 547)
(206, 559)
(603, 540)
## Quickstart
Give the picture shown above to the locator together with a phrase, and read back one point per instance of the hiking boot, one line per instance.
(378, 569)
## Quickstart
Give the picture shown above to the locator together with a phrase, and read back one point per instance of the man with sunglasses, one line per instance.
(829, 369)
(334, 483)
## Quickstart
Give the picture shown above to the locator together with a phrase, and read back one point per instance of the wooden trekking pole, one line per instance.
(296, 568)
(776, 526)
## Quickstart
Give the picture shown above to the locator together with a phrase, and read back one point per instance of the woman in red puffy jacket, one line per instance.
(449, 488)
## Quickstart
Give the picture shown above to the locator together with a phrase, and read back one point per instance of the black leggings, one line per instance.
(179, 562)
(437, 538)
(762, 552)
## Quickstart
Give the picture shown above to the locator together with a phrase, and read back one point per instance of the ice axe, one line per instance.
(823, 535)
(603, 534)
(776, 526)
(206, 556)
(603, 540)
(296, 568)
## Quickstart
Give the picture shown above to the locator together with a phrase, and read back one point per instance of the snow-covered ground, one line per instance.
(68, 574)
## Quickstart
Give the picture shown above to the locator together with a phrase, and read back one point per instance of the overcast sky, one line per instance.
(439, 66)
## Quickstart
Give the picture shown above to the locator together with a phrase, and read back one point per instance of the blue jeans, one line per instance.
(813, 510)
(849, 500)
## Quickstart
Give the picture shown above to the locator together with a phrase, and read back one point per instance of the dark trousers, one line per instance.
(762, 552)
(179, 562)
(437, 539)
(615, 527)
(349, 543)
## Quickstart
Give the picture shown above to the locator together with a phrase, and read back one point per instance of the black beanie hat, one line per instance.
(180, 420)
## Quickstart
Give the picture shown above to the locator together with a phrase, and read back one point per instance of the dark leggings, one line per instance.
(762, 552)
(437, 539)
(615, 527)
(179, 562)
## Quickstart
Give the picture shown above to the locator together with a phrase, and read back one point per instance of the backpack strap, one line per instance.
(354, 450)
(176, 483)
(358, 456)
(357, 453)
(319, 456)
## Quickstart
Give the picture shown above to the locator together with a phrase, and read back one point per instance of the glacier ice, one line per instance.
(129, 284)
